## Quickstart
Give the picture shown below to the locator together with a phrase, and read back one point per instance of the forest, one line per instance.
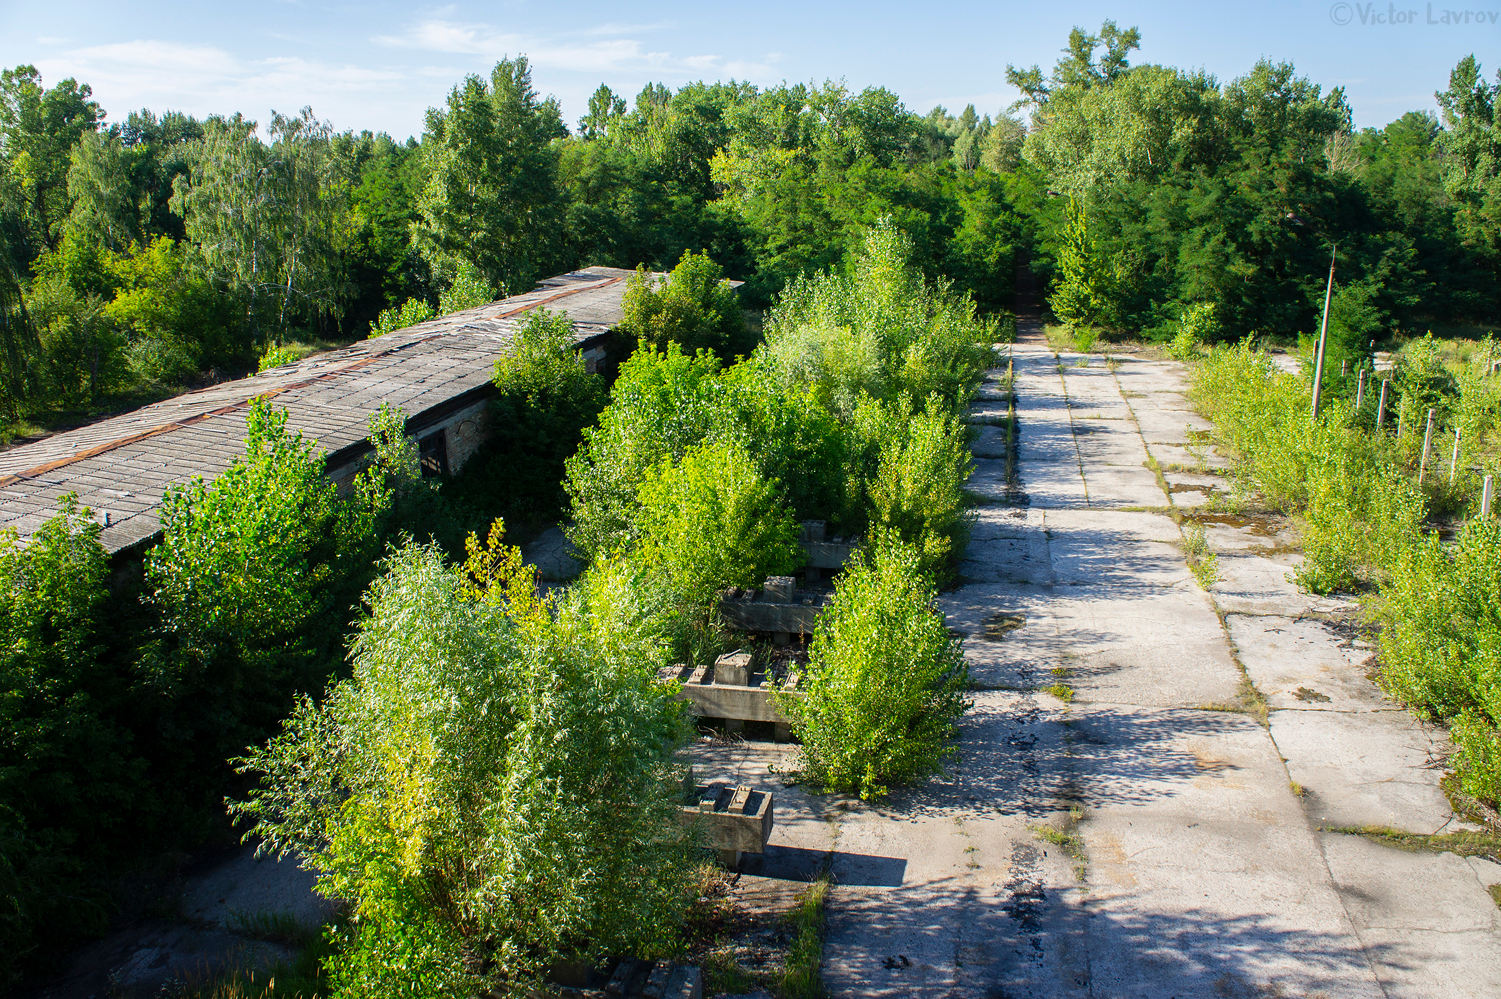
(262, 652)
(153, 251)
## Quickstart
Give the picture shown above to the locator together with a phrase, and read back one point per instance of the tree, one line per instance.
(604, 109)
(263, 217)
(491, 197)
(1471, 145)
(695, 308)
(38, 128)
(1079, 68)
(545, 397)
(884, 687)
(105, 203)
(435, 789)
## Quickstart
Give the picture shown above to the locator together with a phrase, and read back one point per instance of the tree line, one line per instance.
(159, 250)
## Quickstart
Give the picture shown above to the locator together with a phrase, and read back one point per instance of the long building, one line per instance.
(438, 372)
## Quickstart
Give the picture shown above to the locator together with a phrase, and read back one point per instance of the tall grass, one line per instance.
(1365, 528)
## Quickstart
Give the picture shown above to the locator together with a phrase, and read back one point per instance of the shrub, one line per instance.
(662, 403)
(711, 521)
(879, 329)
(275, 356)
(916, 466)
(546, 396)
(694, 308)
(68, 772)
(492, 790)
(885, 683)
(399, 317)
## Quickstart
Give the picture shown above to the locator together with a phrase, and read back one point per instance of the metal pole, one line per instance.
(1381, 408)
(1344, 369)
(1427, 446)
(1454, 458)
(1318, 367)
(1487, 493)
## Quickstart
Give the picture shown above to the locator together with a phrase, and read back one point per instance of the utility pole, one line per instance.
(1318, 366)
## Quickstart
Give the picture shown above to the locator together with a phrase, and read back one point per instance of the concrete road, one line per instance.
(1151, 836)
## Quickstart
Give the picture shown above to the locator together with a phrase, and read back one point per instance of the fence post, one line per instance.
(1359, 389)
(1381, 407)
(1454, 458)
(1427, 447)
(1487, 493)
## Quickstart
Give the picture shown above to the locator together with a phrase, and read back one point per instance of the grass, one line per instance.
(1495, 892)
(801, 979)
(1466, 843)
(1203, 563)
(1068, 840)
(1297, 789)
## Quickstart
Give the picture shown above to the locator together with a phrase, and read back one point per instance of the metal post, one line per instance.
(1344, 369)
(1454, 458)
(1381, 408)
(1487, 493)
(1427, 446)
(1359, 389)
(1318, 367)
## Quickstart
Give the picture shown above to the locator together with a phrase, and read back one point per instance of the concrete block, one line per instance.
(733, 819)
(733, 667)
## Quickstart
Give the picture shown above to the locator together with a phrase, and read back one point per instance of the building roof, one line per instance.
(121, 467)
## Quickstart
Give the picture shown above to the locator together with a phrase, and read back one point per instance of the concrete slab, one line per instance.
(1427, 921)
(1305, 664)
(1366, 768)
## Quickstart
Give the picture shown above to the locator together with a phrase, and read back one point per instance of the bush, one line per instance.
(546, 396)
(879, 329)
(69, 776)
(885, 681)
(710, 522)
(662, 403)
(399, 317)
(694, 308)
(917, 462)
(492, 790)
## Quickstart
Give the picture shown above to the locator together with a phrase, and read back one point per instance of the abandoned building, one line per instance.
(438, 372)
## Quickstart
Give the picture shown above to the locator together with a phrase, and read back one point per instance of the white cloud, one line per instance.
(206, 79)
(599, 49)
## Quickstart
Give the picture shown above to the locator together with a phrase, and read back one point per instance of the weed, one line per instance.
(1084, 338)
(801, 978)
(1297, 789)
(1068, 840)
(1466, 843)
(1495, 893)
(1203, 563)
(1062, 691)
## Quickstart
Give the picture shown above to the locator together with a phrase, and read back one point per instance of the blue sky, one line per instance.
(380, 65)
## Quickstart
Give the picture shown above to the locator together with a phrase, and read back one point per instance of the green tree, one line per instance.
(605, 108)
(432, 791)
(1471, 144)
(38, 129)
(68, 771)
(711, 521)
(695, 308)
(491, 197)
(884, 688)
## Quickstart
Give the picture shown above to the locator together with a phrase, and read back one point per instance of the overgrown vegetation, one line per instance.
(885, 681)
(1367, 525)
(432, 790)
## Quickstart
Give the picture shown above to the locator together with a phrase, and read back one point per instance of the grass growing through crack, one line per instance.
(1062, 691)
(1203, 563)
(801, 978)
(1068, 840)
(1466, 843)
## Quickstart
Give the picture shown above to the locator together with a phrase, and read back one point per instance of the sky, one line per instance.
(379, 66)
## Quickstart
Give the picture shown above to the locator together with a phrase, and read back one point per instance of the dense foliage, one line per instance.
(1366, 523)
(492, 790)
(885, 680)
